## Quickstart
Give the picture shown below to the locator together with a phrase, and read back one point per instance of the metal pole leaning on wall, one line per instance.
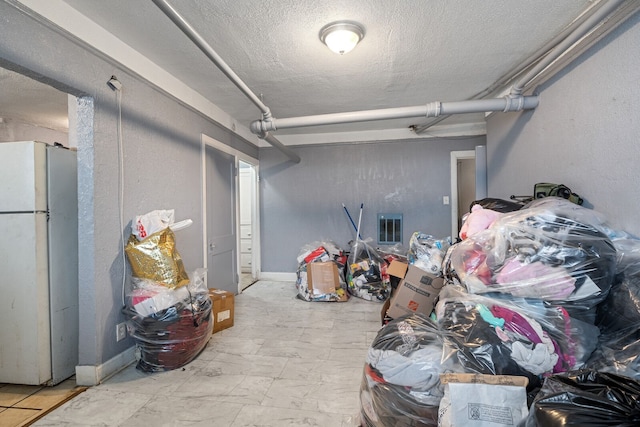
(199, 41)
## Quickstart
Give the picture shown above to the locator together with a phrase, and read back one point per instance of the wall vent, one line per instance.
(389, 229)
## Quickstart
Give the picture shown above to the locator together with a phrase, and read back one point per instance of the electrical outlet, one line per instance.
(121, 331)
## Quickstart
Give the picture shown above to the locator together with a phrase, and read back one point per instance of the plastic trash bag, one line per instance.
(512, 336)
(619, 317)
(497, 205)
(586, 398)
(401, 380)
(552, 250)
(364, 273)
(321, 252)
(156, 258)
(170, 337)
(427, 253)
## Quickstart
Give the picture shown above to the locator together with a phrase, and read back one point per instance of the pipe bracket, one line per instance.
(513, 103)
(434, 109)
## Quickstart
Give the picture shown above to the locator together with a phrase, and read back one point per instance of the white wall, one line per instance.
(584, 134)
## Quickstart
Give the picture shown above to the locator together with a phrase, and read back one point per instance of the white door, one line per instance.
(221, 239)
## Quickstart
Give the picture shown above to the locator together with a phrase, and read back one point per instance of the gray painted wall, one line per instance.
(161, 167)
(584, 134)
(302, 203)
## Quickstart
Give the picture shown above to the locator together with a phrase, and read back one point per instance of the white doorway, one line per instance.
(248, 216)
(463, 187)
(230, 216)
(468, 183)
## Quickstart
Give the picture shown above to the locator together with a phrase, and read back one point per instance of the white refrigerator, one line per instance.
(38, 263)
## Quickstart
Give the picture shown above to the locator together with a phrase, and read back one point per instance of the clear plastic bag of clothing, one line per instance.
(586, 398)
(401, 380)
(552, 250)
(503, 335)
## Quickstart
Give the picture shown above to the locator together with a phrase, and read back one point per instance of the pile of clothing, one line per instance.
(527, 294)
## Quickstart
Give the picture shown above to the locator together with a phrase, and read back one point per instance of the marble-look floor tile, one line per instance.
(132, 380)
(285, 362)
(246, 364)
(262, 416)
(172, 411)
(294, 349)
(322, 397)
(233, 345)
(322, 371)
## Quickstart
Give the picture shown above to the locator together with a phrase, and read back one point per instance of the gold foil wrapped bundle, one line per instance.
(156, 258)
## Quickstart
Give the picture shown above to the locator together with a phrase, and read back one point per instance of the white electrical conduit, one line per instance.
(197, 39)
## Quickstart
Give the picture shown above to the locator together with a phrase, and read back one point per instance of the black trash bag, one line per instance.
(618, 318)
(586, 398)
(497, 205)
(401, 380)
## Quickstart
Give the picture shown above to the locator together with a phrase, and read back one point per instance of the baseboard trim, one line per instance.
(89, 375)
(279, 277)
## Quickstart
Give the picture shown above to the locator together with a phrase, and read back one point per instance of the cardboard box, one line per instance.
(383, 312)
(222, 310)
(322, 279)
(397, 269)
(415, 294)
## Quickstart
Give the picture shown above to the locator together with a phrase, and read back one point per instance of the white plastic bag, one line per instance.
(152, 222)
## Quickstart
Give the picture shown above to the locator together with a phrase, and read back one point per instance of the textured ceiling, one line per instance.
(414, 51)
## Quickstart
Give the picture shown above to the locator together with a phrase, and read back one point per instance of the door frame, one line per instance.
(255, 226)
(455, 156)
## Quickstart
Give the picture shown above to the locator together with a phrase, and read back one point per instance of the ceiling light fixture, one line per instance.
(341, 36)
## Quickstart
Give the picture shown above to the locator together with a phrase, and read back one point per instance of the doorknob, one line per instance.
(211, 246)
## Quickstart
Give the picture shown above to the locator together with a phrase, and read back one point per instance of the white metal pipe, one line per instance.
(433, 109)
(583, 29)
(201, 43)
(283, 148)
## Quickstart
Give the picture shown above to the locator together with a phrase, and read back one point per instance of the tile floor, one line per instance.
(285, 362)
